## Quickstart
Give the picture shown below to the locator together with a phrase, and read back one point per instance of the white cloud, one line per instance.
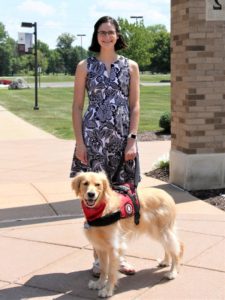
(39, 7)
(153, 12)
(52, 24)
(127, 7)
(62, 9)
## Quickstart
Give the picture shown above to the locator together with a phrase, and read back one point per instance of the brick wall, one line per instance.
(198, 79)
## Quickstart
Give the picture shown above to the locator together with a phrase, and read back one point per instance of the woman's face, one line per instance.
(107, 35)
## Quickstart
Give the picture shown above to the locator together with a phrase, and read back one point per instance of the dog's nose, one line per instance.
(91, 195)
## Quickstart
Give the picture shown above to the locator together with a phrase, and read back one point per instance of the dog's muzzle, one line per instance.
(90, 199)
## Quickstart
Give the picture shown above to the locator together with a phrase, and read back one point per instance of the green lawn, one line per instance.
(154, 78)
(55, 105)
(154, 102)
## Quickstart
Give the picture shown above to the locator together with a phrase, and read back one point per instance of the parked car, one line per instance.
(5, 81)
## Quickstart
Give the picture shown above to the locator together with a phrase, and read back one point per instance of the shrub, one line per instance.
(164, 121)
(162, 163)
(18, 83)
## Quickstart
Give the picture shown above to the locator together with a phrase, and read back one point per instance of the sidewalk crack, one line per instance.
(46, 200)
(188, 263)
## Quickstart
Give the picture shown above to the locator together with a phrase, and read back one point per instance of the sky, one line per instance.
(55, 17)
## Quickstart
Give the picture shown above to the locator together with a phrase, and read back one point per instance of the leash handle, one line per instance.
(137, 171)
(136, 204)
(137, 176)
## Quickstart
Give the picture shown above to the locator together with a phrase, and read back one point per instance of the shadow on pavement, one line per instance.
(75, 284)
(179, 195)
(67, 209)
(33, 214)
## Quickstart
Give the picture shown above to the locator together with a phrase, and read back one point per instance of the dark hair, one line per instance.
(120, 44)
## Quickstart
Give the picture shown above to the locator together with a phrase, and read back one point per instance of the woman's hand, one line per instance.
(130, 150)
(81, 153)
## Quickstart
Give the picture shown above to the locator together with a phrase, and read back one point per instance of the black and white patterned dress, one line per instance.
(106, 121)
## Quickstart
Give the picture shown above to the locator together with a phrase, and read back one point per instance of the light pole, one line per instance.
(29, 25)
(81, 36)
(136, 17)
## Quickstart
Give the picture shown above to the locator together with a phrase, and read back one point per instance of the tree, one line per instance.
(139, 41)
(65, 49)
(160, 49)
(7, 52)
(77, 54)
(148, 46)
(65, 40)
(13, 55)
(43, 47)
(55, 62)
(3, 33)
(4, 51)
(157, 28)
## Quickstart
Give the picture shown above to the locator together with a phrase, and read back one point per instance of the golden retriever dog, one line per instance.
(157, 218)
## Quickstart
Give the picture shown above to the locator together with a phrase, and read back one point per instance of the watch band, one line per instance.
(132, 136)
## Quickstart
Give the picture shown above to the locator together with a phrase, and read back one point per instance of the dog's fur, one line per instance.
(157, 209)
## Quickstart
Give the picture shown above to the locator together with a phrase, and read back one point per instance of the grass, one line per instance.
(154, 78)
(54, 115)
(154, 102)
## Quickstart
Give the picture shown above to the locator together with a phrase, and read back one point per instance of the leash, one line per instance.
(129, 191)
(136, 181)
(137, 171)
(134, 195)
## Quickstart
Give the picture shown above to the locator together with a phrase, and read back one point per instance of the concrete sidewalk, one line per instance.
(44, 253)
(71, 84)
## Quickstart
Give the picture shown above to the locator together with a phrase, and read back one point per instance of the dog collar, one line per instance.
(92, 213)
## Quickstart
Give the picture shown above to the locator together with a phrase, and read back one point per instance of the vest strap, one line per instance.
(116, 216)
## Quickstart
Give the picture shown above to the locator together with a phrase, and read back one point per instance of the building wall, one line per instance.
(198, 95)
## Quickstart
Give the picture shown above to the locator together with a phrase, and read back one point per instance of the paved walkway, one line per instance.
(71, 84)
(44, 254)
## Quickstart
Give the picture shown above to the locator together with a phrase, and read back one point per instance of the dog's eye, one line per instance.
(85, 183)
(97, 184)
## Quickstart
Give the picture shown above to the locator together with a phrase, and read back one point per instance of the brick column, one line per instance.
(197, 159)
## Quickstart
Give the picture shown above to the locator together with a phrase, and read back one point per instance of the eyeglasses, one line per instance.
(105, 33)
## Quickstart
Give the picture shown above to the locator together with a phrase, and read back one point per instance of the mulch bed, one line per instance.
(153, 136)
(215, 197)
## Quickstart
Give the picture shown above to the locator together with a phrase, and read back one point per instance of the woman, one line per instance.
(106, 135)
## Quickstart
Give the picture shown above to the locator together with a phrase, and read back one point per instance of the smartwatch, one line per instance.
(132, 136)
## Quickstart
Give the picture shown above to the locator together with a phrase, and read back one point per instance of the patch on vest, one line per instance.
(126, 206)
(129, 209)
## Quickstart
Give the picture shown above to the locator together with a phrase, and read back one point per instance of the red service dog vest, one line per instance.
(129, 206)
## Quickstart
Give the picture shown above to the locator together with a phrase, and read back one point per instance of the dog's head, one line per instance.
(91, 187)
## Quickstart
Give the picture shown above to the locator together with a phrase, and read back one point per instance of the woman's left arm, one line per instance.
(134, 104)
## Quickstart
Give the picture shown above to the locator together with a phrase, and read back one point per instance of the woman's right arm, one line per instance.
(77, 110)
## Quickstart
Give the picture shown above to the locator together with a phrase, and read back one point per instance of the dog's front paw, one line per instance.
(105, 292)
(171, 275)
(96, 285)
(162, 263)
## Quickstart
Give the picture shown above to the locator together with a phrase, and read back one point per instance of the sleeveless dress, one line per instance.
(106, 121)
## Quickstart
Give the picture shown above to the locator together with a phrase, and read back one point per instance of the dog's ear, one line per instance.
(76, 183)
